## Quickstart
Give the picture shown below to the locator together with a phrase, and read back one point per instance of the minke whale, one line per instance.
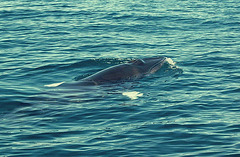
(132, 70)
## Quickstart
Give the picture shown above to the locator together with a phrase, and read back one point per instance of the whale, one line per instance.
(130, 71)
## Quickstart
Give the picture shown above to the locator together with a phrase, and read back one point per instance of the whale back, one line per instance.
(122, 72)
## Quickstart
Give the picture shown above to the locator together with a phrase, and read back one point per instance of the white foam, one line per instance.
(170, 61)
(54, 84)
(132, 95)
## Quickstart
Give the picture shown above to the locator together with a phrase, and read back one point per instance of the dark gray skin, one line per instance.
(123, 72)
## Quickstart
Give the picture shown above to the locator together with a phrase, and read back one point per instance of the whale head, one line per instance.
(148, 65)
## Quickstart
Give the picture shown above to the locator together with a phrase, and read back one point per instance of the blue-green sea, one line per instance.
(189, 109)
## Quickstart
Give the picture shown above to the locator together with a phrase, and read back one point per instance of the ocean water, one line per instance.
(191, 109)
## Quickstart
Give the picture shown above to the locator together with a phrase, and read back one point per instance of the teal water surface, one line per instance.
(189, 110)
